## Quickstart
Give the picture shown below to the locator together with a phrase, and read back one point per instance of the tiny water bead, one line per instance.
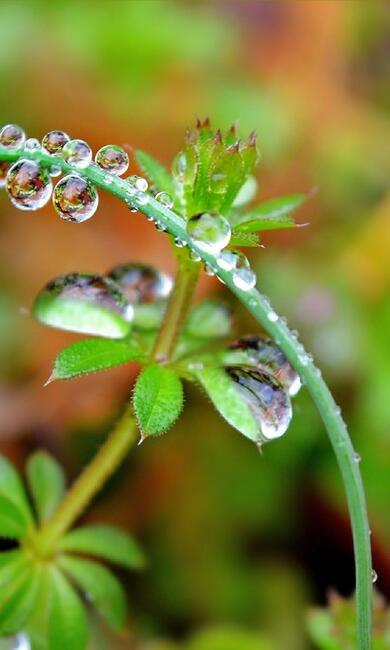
(77, 153)
(85, 303)
(75, 199)
(12, 137)
(32, 144)
(264, 354)
(210, 232)
(227, 260)
(28, 185)
(244, 277)
(54, 141)
(165, 199)
(141, 283)
(374, 576)
(4, 169)
(138, 183)
(113, 159)
(268, 401)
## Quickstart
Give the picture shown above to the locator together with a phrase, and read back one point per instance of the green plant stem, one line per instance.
(106, 461)
(187, 275)
(259, 306)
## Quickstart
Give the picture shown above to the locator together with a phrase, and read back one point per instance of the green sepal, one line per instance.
(157, 399)
(94, 355)
(270, 215)
(156, 172)
(209, 319)
(46, 480)
(102, 587)
(67, 621)
(16, 517)
(227, 400)
(107, 542)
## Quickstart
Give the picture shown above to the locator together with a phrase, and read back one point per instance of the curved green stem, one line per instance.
(106, 461)
(259, 306)
(177, 308)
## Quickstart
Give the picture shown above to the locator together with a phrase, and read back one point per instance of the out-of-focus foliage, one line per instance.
(232, 538)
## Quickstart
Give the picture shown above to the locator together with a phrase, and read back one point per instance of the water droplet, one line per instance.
(165, 199)
(195, 257)
(28, 185)
(142, 198)
(12, 136)
(227, 260)
(75, 198)
(209, 270)
(54, 141)
(180, 243)
(109, 179)
(374, 576)
(272, 316)
(160, 226)
(267, 399)
(266, 355)
(357, 457)
(141, 283)
(139, 183)
(210, 232)
(81, 302)
(4, 168)
(32, 144)
(77, 153)
(112, 159)
(179, 167)
(16, 642)
(244, 277)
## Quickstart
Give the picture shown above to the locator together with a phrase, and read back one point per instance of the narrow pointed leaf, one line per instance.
(227, 400)
(273, 214)
(47, 483)
(38, 623)
(67, 619)
(12, 565)
(158, 399)
(156, 172)
(18, 607)
(93, 355)
(209, 319)
(100, 586)
(12, 521)
(245, 239)
(12, 489)
(108, 542)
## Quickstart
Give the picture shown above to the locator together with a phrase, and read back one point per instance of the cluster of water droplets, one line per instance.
(102, 305)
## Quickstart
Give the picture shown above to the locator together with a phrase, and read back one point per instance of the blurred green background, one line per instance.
(238, 544)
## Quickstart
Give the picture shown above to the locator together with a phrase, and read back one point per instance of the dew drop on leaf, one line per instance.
(165, 199)
(374, 576)
(227, 260)
(12, 136)
(32, 144)
(77, 153)
(113, 159)
(138, 183)
(54, 141)
(75, 199)
(267, 399)
(210, 232)
(244, 277)
(265, 354)
(141, 283)
(28, 185)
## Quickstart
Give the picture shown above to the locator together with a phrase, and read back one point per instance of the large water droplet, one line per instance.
(75, 198)
(264, 353)
(77, 153)
(138, 183)
(141, 283)
(81, 302)
(4, 168)
(179, 166)
(12, 136)
(112, 159)
(210, 232)
(227, 260)
(244, 277)
(28, 185)
(165, 199)
(267, 399)
(54, 141)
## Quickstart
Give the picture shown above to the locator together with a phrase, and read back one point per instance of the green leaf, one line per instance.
(270, 215)
(47, 483)
(247, 239)
(12, 521)
(37, 625)
(229, 638)
(12, 565)
(148, 316)
(209, 319)
(93, 355)
(17, 605)
(14, 498)
(158, 399)
(101, 586)
(67, 619)
(112, 544)
(227, 400)
(156, 172)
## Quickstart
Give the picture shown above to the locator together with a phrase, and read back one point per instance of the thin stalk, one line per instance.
(177, 308)
(259, 306)
(106, 461)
